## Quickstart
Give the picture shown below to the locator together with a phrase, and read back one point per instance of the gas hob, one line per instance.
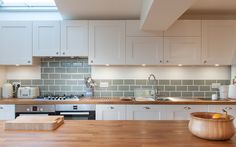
(60, 98)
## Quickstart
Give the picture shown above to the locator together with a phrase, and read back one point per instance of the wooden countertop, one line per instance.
(116, 100)
(111, 133)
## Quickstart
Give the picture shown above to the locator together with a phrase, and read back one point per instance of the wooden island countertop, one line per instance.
(93, 133)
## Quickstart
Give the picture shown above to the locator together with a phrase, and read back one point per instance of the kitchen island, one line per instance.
(95, 133)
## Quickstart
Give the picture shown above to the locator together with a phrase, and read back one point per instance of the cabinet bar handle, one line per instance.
(146, 108)
(111, 107)
(1, 107)
(187, 108)
(228, 108)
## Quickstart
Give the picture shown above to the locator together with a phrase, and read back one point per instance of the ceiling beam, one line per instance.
(159, 15)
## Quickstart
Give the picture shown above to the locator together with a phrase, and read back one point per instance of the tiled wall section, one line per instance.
(61, 76)
(185, 88)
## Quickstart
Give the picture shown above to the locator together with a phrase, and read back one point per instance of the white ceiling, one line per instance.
(99, 9)
(131, 9)
(215, 7)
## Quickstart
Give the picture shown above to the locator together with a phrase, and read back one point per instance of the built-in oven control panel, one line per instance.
(75, 107)
(35, 108)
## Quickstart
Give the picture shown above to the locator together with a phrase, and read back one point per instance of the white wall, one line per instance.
(2, 75)
(136, 72)
(23, 72)
(17, 16)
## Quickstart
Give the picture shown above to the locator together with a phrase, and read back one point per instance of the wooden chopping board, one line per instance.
(35, 123)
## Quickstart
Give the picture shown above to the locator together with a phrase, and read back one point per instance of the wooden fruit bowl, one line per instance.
(204, 126)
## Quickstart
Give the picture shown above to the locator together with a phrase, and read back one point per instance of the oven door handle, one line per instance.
(74, 113)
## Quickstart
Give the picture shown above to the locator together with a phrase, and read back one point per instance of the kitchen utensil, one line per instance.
(232, 91)
(224, 91)
(28, 92)
(35, 123)
(203, 125)
(7, 90)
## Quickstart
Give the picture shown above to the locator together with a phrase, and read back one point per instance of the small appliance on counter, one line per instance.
(28, 92)
(7, 90)
(232, 91)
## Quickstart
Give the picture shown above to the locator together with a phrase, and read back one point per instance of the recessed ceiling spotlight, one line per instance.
(180, 65)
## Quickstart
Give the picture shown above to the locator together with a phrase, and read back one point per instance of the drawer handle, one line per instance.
(228, 108)
(57, 53)
(187, 108)
(146, 108)
(63, 53)
(111, 107)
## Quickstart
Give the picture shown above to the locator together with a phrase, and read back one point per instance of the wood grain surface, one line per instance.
(92, 133)
(115, 100)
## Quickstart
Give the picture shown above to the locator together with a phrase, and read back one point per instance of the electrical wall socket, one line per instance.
(104, 84)
(215, 85)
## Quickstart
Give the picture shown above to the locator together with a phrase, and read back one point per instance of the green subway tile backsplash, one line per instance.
(66, 76)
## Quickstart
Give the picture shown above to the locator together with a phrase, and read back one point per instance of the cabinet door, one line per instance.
(182, 50)
(7, 112)
(231, 109)
(144, 112)
(74, 38)
(144, 50)
(15, 42)
(218, 41)
(184, 28)
(133, 29)
(46, 38)
(110, 112)
(182, 112)
(106, 42)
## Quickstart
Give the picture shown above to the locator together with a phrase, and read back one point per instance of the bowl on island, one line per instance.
(211, 126)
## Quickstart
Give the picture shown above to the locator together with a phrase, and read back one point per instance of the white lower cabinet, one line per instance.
(144, 112)
(110, 112)
(7, 112)
(231, 109)
(182, 112)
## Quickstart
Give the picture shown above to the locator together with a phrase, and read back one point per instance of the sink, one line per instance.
(144, 99)
(163, 99)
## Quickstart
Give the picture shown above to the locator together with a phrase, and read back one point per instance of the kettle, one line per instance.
(7, 90)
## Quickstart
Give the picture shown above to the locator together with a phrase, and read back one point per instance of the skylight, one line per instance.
(27, 3)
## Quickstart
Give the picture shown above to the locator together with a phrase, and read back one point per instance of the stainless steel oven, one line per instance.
(76, 111)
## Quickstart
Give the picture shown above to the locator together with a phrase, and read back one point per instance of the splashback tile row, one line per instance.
(61, 76)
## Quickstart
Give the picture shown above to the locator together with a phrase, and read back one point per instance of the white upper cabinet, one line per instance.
(74, 38)
(107, 42)
(16, 42)
(184, 28)
(144, 50)
(46, 38)
(182, 50)
(218, 41)
(133, 29)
